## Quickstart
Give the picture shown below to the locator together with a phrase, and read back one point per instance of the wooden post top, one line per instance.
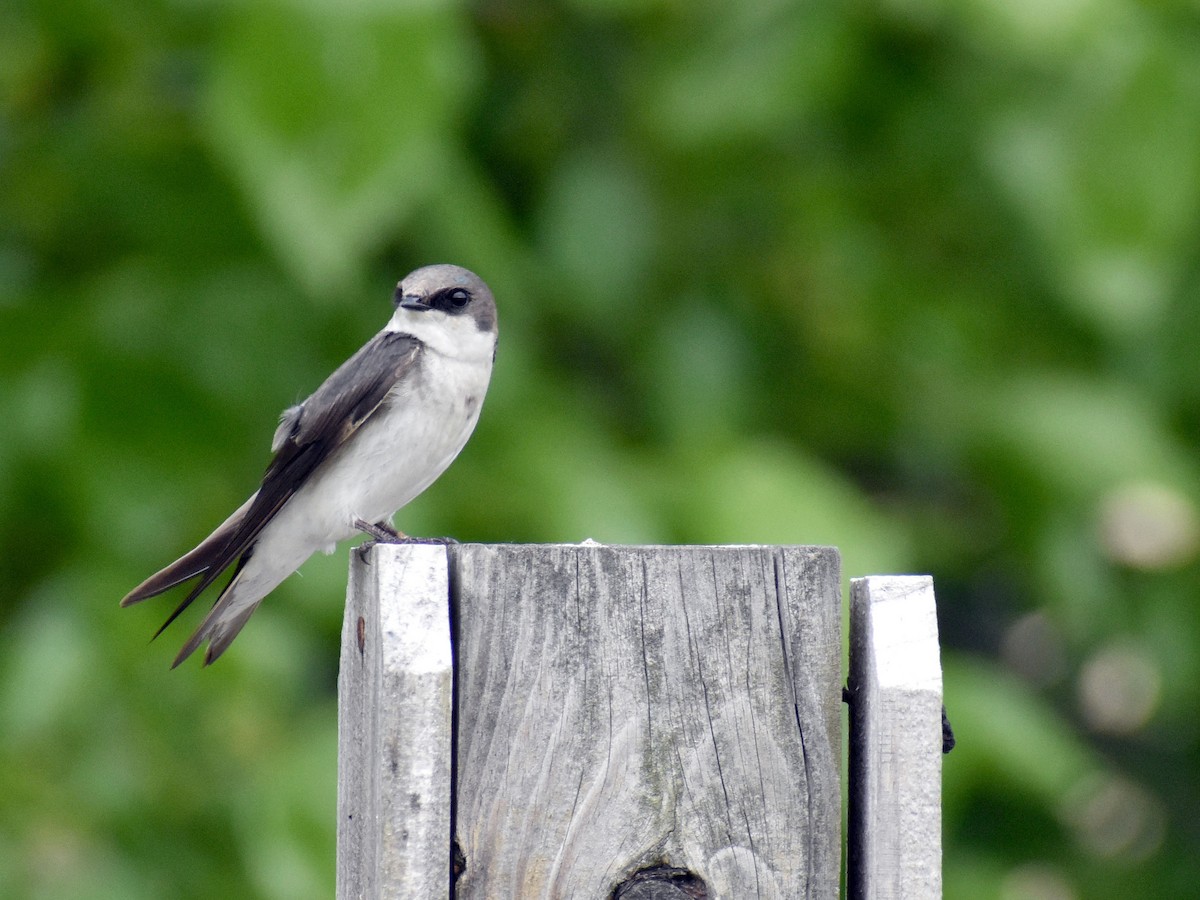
(632, 721)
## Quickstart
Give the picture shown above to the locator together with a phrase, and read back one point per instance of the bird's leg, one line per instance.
(381, 532)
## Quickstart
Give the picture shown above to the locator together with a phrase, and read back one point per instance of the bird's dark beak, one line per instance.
(413, 302)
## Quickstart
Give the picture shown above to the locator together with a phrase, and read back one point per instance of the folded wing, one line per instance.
(307, 435)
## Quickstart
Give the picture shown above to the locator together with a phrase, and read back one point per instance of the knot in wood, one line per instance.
(662, 883)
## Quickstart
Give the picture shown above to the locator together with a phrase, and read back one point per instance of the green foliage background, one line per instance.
(918, 279)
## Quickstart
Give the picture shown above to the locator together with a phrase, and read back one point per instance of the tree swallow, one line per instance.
(378, 432)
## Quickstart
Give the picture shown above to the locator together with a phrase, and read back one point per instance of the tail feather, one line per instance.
(191, 564)
(223, 622)
(187, 566)
(197, 591)
(195, 562)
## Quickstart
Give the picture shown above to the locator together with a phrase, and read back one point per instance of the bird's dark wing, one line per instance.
(307, 436)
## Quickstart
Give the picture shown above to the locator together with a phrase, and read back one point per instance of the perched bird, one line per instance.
(378, 432)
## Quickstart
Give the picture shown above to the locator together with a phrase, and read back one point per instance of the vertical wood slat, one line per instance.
(895, 817)
(394, 726)
(625, 707)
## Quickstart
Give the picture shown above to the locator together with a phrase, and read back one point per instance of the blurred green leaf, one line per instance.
(336, 123)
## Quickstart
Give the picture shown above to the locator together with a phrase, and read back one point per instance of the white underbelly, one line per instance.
(396, 454)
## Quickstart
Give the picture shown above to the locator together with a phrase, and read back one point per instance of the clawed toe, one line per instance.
(383, 533)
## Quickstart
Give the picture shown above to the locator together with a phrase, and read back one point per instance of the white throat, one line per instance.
(456, 337)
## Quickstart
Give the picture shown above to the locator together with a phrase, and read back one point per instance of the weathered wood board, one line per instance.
(894, 842)
(621, 707)
(394, 726)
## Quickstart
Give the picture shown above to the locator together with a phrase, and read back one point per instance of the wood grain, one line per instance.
(394, 726)
(895, 823)
(625, 707)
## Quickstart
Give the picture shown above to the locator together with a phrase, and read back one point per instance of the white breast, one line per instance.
(408, 442)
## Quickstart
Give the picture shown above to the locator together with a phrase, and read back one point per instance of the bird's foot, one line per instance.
(383, 533)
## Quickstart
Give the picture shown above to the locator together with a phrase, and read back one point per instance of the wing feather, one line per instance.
(306, 437)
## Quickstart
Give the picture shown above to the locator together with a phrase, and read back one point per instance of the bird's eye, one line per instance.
(459, 298)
